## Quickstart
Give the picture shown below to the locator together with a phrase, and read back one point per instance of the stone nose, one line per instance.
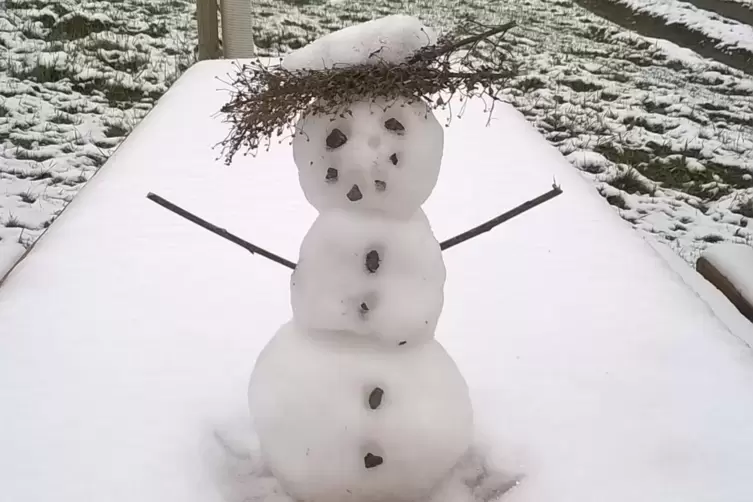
(355, 194)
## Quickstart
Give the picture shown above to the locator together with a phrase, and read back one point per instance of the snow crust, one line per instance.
(404, 296)
(389, 39)
(395, 171)
(319, 456)
(128, 334)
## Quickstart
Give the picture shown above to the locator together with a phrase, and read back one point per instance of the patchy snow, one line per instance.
(735, 262)
(726, 32)
(74, 80)
(129, 334)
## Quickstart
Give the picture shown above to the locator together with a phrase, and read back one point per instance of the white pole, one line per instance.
(237, 38)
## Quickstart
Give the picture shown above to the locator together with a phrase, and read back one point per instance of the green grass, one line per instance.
(13, 222)
(76, 27)
(617, 201)
(630, 182)
(671, 170)
(28, 196)
(116, 131)
(746, 208)
(40, 73)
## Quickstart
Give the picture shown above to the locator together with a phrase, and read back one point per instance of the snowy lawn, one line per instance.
(129, 334)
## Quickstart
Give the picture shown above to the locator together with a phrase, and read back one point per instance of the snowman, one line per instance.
(353, 399)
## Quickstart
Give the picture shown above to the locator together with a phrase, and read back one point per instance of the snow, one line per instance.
(389, 39)
(309, 398)
(736, 323)
(332, 283)
(734, 261)
(11, 248)
(392, 153)
(129, 334)
(354, 399)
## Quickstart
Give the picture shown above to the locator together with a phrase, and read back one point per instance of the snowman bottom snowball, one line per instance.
(339, 419)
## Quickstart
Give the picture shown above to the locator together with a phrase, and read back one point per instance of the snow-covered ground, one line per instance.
(665, 135)
(129, 334)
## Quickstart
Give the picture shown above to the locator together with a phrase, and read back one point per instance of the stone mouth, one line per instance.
(354, 195)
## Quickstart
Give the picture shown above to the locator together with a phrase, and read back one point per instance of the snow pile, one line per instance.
(389, 39)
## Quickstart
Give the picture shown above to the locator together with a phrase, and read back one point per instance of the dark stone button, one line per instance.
(394, 125)
(380, 185)
(375, 398)
(355, 194)
(371, 461)
(331, 175)
(393, 159)
(372, 261)
(336, 139)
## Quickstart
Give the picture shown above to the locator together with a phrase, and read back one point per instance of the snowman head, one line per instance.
(378, 156)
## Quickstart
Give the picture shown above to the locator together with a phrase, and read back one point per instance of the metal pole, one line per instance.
(237, 38)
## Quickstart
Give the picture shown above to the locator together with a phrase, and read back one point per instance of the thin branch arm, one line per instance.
(494, 222)
(220, 231)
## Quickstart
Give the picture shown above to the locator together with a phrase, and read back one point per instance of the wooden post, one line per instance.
(717, 272)
(206, 21)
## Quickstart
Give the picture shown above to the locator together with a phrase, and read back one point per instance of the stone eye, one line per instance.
(380, 185)
(331, 175)
(372, 261)
(395, 126)
(375, 398)
(336, 139)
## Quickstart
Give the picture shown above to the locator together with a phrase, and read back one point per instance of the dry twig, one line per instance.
(219, 231)
(494, 222)
(485, 227)
(268, 100)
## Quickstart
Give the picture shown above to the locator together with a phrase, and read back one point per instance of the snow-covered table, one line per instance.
(128, 334)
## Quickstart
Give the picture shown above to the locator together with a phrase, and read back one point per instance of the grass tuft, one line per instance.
(630, 182)
(13, 222)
